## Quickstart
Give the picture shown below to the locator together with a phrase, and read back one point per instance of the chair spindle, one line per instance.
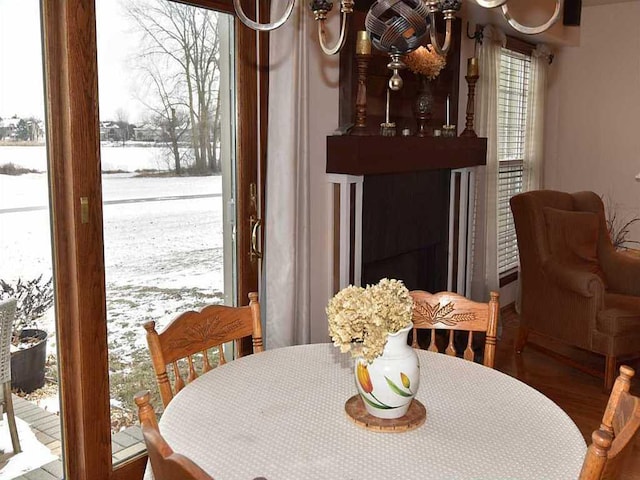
(432, 345)
(192, 370)
(622, 384)
(206, 365)
(468, 352)
(451, 349)
(178, 383)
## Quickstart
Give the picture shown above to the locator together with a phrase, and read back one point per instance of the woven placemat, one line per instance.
(356, 411)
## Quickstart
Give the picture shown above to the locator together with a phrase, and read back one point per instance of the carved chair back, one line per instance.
(453, 312)
(193, 334)
(613, 442)
(165, 463)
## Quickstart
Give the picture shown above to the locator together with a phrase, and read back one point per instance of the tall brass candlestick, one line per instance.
(468, 128)
(473, 73)
(363, 57)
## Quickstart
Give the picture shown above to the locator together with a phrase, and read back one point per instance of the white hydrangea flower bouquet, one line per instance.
(360, 319)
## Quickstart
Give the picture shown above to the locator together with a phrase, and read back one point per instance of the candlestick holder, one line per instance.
(468, 128)
(448, 131)
(422, 106)
(362, 61)
(388, 129)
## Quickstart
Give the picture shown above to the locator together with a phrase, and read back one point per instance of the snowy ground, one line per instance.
(34, 454)
(161, 256)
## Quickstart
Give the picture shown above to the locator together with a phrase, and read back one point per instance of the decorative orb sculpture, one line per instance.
(397, 26)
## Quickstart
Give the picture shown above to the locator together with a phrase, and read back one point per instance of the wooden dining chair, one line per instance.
(165, 463)
(613, 442)
(453, 312)
(192, 334)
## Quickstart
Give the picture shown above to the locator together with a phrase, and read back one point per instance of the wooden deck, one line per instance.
(46, 427)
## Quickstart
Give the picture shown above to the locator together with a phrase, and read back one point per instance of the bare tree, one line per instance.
(170, 113)
(184, 41)
(122, 120)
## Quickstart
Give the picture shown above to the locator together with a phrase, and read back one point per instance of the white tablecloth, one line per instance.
(280, 415)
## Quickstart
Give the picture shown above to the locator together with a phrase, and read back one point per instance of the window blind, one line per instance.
(512, 123)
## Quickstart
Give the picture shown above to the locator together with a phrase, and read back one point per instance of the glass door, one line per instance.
(151, 196)
(25, 251)
(167, 155)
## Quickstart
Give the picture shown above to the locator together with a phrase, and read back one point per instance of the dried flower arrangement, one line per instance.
(361, 318)
(425, 61)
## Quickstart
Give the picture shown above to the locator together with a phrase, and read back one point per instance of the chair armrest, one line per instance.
(622, 272)
(570, 278)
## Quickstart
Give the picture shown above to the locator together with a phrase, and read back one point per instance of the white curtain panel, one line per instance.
(534, 135)
(286, 275)
(485, 248)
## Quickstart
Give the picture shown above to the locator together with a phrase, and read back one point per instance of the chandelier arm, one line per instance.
(491, 3)
(263, 27)
(533, 30)
(434, 38)
(344, 24)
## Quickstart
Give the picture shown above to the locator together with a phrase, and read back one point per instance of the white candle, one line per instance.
(363, 43)
(448, 110)
(388, 100)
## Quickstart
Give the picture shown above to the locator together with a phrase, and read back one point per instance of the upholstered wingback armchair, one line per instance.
(575, 286)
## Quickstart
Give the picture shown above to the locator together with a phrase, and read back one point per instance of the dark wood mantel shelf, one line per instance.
(376, 155)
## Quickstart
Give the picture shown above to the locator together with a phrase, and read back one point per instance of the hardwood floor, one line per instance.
(577, 393)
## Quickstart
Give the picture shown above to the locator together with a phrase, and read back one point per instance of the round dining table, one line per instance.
(280, 414)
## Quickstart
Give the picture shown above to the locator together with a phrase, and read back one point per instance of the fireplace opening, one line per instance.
(405, 228)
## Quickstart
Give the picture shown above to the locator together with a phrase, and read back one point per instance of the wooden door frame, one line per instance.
(73, 148)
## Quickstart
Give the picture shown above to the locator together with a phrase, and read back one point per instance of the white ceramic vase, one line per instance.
(388, 384)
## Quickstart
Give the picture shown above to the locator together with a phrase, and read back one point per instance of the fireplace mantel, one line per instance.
(403, 208)
(376, 155)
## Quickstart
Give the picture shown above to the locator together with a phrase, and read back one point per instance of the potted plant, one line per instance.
(29, 342)
(618, 227)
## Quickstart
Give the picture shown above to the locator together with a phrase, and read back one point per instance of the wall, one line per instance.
(593, 110)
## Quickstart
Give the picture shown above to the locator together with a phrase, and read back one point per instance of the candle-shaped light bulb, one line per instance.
(363, 43)
(448, 110)
(472, 67)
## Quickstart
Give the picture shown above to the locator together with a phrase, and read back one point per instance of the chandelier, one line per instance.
(396, 26)
(518, 26)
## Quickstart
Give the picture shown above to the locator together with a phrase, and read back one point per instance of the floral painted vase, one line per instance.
(388, 384)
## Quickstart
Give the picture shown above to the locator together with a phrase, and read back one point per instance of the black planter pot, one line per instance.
(27, 365)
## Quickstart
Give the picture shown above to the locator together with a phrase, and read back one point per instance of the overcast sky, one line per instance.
(21, 87)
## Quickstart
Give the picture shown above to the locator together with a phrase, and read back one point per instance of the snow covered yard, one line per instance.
(162, 255)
